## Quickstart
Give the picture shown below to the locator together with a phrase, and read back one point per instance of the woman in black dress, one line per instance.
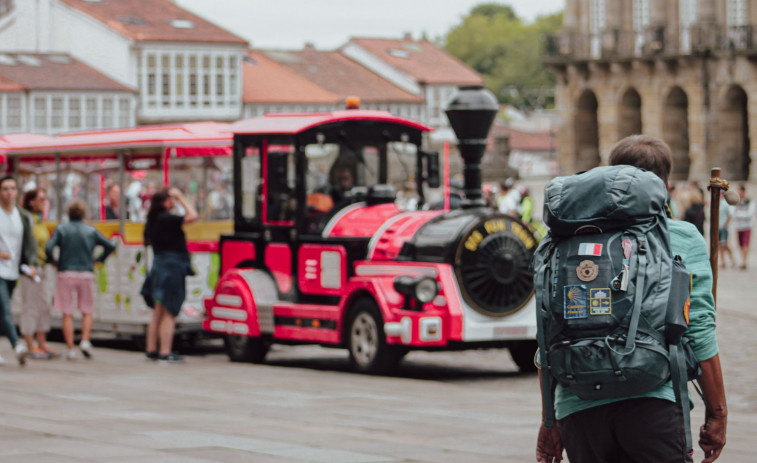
(166, 280)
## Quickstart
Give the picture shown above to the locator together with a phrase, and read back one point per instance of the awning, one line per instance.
(191, 139)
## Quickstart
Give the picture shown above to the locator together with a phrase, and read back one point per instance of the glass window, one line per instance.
(219, 188)
(219, 85)
(74, 113)
(13, 113)
(40, 114)
(108, 113)
(250, 182)
(281, 202)
(124, 112)
(56, 117)
(91, 116)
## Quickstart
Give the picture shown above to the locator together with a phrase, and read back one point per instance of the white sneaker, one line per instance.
(21, 353)
(2, 360)
(71, 355)
(86, 349)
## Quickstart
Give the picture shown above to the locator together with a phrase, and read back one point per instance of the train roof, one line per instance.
(295, 123)
(192, 139)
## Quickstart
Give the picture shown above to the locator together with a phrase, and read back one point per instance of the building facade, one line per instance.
(53, 93)
(182, 67)
(681, 70)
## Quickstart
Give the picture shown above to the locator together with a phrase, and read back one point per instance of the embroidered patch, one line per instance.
(587, 270)
(575, 301)
(589, 249)
(600, 301)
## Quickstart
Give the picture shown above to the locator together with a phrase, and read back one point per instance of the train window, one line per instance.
(250, 182)
(281, 202)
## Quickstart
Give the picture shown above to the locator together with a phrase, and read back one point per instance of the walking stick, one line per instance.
(716, 185)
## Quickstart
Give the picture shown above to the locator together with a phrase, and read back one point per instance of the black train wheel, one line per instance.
(492, 265)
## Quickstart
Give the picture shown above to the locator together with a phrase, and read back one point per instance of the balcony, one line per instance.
(739, 38)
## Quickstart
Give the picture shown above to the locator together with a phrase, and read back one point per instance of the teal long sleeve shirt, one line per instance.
(687, 242)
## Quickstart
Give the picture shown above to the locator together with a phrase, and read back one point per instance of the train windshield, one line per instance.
(338, 171)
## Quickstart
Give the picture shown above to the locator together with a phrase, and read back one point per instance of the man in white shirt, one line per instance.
(17, 249)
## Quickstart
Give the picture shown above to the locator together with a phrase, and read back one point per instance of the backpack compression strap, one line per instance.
(641, 271)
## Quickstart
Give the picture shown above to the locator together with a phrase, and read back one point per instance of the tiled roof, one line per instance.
(422, 60)
(526, 141)
(267, 81)
(342, 76)
(9, 86)
(46, 71)
(153, 20)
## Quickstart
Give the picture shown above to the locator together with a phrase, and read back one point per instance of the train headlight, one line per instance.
(423, 289)
(426, 290)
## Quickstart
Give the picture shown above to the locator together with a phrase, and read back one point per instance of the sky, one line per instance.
(328, 24)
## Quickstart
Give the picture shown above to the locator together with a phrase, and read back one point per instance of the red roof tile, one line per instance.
(267, 81)
(150, 20)
(342, 76)
(526, 141)
(422, 60)
(45, 71)
(9, 86)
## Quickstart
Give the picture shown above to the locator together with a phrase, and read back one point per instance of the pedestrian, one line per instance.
(743, 222)
(17, 250)
(35, 314)
(649, 427)
(509, 199)
(694, 213)
(165, 283)
(76, 242)
(724, 220)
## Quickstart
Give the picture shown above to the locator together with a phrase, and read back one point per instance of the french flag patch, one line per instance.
(590, 249)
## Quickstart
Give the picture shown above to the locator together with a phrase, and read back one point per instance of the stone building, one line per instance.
(681, 70)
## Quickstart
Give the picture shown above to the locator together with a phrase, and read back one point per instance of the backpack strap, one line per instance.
(641, 266)
(547, 392)
(680, 388)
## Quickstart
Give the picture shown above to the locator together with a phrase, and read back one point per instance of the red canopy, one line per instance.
(296, 123)
(192, 139)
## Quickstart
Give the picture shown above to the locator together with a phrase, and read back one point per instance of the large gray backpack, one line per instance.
(611, 299)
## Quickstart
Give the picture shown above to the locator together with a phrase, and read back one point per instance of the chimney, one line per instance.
(471, 113)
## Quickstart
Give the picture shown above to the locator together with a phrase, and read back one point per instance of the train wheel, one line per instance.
(245, 349)
(523, 353)
(369, 352)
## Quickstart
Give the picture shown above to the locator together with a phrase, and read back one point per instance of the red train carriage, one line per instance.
(326, 251)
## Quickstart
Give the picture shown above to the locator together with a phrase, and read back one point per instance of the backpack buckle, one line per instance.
(642, 246)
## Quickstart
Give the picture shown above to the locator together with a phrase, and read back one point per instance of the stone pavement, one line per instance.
(304, 406)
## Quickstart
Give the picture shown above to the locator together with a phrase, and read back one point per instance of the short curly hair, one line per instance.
(77, 209)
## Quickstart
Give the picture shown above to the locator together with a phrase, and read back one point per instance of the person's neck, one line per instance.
(7, 207)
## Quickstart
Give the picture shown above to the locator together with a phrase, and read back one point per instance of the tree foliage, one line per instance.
(507, 52)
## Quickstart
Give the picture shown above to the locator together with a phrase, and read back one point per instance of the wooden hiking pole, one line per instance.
(717, 185)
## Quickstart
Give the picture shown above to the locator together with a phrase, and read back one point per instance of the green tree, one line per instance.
(507, 52)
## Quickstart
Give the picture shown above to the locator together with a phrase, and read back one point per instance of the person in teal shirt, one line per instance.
(648, 427)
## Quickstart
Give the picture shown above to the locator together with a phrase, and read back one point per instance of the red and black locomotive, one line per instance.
(326, 250)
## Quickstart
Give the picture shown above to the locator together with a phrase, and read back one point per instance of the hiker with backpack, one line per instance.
(625, 316)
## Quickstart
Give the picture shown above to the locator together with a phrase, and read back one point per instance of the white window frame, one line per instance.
(687, 17)
(597, 25)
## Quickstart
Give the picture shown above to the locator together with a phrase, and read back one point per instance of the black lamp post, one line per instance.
(471, 113)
